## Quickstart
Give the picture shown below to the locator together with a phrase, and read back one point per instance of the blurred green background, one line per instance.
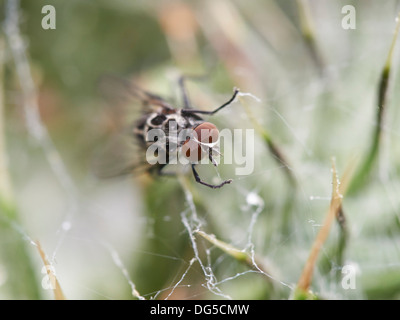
(318, 89)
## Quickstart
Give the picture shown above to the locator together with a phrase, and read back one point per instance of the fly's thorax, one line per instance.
(156, 120)
(167, 130)
(175, 132)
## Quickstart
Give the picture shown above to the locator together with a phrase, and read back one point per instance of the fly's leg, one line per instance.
(185, 96)
(198, 180)
(236, 91)
(210, 156)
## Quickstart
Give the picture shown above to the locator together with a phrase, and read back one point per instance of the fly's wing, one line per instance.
(126, 104)
(119, 155)
(124, 97)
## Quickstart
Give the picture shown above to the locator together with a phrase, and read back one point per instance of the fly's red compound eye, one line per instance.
(207, 132)
(192, 151)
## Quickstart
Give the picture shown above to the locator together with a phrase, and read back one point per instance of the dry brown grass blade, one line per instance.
(338, 189)
(58, 293)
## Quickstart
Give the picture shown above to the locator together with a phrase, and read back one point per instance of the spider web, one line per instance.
(100, 221)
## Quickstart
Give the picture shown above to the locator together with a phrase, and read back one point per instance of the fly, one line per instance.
(157, 115)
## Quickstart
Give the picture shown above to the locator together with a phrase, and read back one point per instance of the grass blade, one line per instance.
(239, 255)
(370, 158)
(275, 151)
(307, 31)
(55, 285)
(338, 189)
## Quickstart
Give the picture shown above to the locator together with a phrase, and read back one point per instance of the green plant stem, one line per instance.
(307, 31)
(367, 166)
(239, 255)
(272, 146)
(343, 238)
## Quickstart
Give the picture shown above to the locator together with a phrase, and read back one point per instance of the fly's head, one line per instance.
(201, 143)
